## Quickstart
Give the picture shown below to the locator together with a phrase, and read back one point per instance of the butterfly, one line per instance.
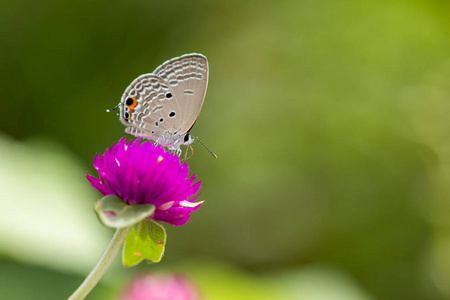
(164, 105)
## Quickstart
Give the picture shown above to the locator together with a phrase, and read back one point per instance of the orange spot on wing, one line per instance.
(132, 105)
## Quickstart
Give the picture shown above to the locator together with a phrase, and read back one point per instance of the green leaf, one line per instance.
(146, 239)
(113, 212)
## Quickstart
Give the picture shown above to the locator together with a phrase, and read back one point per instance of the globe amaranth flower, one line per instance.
(145, 173)
(161, 287)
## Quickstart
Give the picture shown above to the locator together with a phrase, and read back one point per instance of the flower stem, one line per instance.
(102, 265)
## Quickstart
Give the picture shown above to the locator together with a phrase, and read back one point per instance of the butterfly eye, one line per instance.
(168, 95)
(172, 114)
(186, 137)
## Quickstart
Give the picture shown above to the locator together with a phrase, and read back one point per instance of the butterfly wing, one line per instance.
(149, 109)
(187, 78)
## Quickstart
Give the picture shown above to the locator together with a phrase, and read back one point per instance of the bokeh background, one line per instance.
(331, 120)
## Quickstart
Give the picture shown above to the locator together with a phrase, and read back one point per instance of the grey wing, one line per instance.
(148, 108)
(187, 76)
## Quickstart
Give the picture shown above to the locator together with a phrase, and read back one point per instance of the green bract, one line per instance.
(146, 239)
(115, 213)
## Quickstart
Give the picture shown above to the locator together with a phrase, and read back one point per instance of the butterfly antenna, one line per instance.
(212, 153)
(115, 107)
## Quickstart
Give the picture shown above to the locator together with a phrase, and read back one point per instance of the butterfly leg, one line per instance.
(157, 141)
(185, 153)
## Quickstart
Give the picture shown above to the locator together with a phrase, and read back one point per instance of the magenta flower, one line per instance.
(161, 287)
(144, 173)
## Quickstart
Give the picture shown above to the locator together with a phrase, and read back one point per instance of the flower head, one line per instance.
(144, 173)
(161, 287)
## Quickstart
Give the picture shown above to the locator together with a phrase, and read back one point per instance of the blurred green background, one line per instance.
(330, 120)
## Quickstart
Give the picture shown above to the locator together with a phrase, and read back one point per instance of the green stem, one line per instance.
(102, 265)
